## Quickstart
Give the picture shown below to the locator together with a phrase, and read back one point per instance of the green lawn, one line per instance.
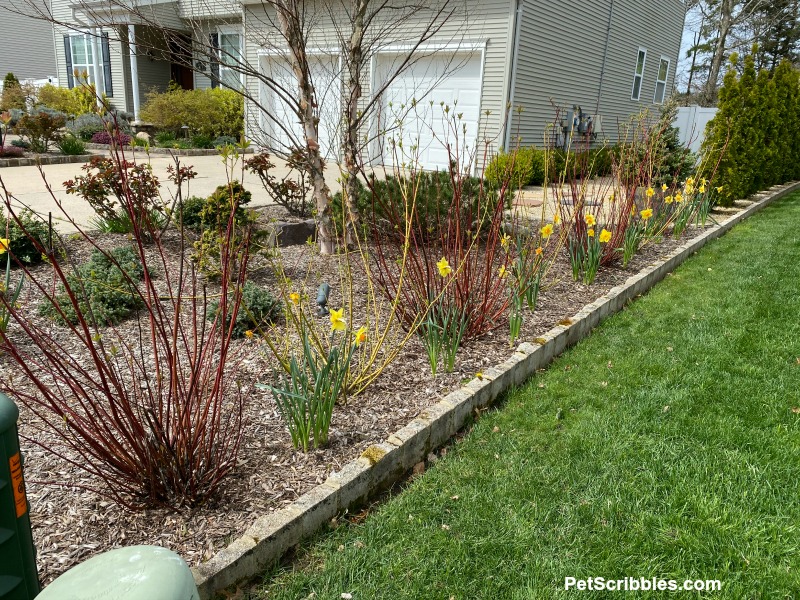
(678, 455)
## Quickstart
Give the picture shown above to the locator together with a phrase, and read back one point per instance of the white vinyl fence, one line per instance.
(691, 123)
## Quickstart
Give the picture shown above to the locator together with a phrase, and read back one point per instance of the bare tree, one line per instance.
(318, 55)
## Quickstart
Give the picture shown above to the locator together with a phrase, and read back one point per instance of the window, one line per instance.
(82, 48)
(661, 80)
(638, 75)
(230, 54)
(79, 50)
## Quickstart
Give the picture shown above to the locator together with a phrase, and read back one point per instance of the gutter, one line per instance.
(605, 58)
(509, 107)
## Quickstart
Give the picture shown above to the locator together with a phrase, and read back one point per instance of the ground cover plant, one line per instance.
(662, 446)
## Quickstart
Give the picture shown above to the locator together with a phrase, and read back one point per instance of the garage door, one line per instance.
(325, 75)
(412, 107)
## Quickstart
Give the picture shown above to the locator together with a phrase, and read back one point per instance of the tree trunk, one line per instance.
(289, 16)
(725, 24)
(355, 57)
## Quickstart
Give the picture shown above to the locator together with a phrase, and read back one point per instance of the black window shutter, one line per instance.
(213, 40)
(107, 65)
(68, 54)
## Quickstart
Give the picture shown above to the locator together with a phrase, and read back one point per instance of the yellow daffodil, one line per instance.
(505, 240)
(590, 233)
(604, 236)
(539, 251)
(650, 192)
(719, 189)
(444, 267)
(547, 231)
(668, 199)
(702, 188)
(337, 320)
(294, 297)
(248, 334)
(690, 181)
(611, 197)
(664, 187)
(3, 245)
(557, 219)
(590, 220)
(361, 335)
(678, 197)
(503, 272)
(646, 213)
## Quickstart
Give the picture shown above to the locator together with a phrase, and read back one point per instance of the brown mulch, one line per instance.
(71, 522)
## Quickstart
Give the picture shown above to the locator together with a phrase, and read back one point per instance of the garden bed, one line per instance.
(172, 151)
(71, 522)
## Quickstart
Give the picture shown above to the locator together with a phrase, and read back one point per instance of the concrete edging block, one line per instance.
(382, 464)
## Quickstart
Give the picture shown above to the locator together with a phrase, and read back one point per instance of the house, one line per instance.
(588, 63)
(28, 50)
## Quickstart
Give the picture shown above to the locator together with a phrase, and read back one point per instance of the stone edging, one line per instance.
(171, 151)
(44, 159)
(380, 465)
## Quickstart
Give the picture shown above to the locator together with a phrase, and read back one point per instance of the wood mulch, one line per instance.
(71, 522)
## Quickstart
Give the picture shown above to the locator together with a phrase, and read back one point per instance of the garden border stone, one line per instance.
(380, 465)
(172, 151)
(44, 159)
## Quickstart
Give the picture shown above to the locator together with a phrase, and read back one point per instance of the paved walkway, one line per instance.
(27, 187)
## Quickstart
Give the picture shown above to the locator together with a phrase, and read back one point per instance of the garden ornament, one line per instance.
(322, 300)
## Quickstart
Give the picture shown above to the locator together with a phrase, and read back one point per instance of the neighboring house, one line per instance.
(28, 50)
(610, 58)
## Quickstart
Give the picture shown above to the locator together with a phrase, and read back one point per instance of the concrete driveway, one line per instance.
(28, 188)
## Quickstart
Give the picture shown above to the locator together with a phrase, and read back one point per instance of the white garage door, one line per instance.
(412, 108)
(325, 75)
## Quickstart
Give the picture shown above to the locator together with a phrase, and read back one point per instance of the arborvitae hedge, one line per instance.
(759, 115)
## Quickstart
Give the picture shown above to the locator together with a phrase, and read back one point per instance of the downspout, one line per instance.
(513, 80)
(605, 58)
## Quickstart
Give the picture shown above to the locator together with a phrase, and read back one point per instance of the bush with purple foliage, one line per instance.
(11, 152)
(103, 137)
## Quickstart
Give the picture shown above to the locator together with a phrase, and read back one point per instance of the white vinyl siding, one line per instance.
(661, 80)
(638, 75)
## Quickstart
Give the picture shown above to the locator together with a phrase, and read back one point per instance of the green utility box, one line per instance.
(18, 577)
(133, 573)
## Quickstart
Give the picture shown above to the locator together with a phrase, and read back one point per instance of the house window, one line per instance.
(81, 48)
(230, 55)
(661, 80)
(639, 74)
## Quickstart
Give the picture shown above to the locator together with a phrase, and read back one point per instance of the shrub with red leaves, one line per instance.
(103, 137)
(10, 152)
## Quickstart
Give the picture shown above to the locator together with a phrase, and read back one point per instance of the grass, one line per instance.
(665, 445)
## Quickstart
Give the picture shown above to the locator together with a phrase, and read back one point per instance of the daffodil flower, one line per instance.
(546, 231)
(650, 192)
(668, 199)
(539, 251)
(604, 236)
(663, 187)
(444, 267)
(294, 297)
(337, 320)
(678, 197)
(361, 335)
(248, 334)
(557, 218)
(719, 189)
(590, 220)
(590, 233)
(646, 214)
(3, 245)
(505, 240)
